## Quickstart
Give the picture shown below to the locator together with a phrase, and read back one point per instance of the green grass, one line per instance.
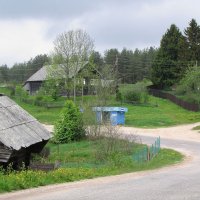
(79, 161)
(158, 113)
(44, 115)
(85, 154)
(196, 128)
(162, 113)
(5, 90)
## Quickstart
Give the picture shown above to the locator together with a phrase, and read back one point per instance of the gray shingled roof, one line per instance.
(18, 128)
(59, 71)
(40, 75)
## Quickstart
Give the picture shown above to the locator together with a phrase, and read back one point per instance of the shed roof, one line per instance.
(18, 128)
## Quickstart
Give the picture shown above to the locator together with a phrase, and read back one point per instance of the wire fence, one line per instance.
(148, 152)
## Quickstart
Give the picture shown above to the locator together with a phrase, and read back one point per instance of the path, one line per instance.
(170, 183)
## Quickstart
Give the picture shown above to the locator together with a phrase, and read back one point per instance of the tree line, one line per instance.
(178, 52)
(165, 66)
(20, 72)
(131, 66)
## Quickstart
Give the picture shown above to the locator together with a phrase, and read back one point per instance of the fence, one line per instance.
(171, 97)
(147, 153)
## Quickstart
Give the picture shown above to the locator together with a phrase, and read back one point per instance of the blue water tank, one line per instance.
(114, 115)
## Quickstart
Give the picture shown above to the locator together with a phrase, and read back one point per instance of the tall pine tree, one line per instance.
(165, 68)
(192, 34)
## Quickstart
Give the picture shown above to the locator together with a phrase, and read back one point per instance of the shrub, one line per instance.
(69, 126)
(133, 96)
(137, 93)
(191, 81)
(20, 92)
(189, 86)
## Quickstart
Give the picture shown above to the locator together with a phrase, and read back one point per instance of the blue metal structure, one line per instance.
(116, 115)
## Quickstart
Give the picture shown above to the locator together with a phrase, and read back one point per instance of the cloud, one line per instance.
(28, 27)
(22, 39)
(55, 9)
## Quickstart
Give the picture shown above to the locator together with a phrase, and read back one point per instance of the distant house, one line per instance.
(20, 134)
(35, 81)
(33, 84)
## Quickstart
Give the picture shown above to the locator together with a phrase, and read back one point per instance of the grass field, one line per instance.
(162, 113)
(159, 113)
(90, 154)
(79, 161)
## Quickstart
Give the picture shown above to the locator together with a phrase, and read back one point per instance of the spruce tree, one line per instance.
(165, 68)
(192, 34)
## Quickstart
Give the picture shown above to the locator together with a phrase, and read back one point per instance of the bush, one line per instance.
(133, 96)
(69, 126)
(20, 92)
(191, 81)
(119, 96)
(137, 94)
(189, 86)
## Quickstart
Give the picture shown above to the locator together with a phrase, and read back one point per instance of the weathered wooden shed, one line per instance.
(20, 134)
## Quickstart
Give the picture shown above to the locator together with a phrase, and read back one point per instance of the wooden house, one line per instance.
(33, 84)
(20, 134)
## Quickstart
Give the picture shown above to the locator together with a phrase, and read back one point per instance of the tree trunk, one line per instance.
(74, 89)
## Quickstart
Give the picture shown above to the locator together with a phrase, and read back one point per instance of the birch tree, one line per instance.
(74, 48)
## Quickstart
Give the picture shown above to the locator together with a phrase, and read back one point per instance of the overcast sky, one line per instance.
(29, 27)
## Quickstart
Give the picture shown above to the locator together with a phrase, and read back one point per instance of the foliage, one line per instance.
(73, 48)
(165, 68)
(196, 128)
(7, 90)
(20, 92)
(177, 52)
(50, 87)
(192, 33)
(78, 162)
(112, 144)
(189, 86)
(4, 73)
(137, 93)
(105, 85)
(20, 72)
(131, 66)
(119, 96)
(69, 126)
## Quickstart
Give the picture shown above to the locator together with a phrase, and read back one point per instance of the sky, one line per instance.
(29, 27)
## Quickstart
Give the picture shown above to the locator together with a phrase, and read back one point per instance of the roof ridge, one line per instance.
(18, 124)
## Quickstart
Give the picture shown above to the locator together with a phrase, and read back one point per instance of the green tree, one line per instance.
(73, 49)
(97, 60)
(34, 64)
(4, 73)
(110, 56)
(189, 86)
(165, 68)
(20, 72)
(69, 126)
(125, 68)
(192, 33)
